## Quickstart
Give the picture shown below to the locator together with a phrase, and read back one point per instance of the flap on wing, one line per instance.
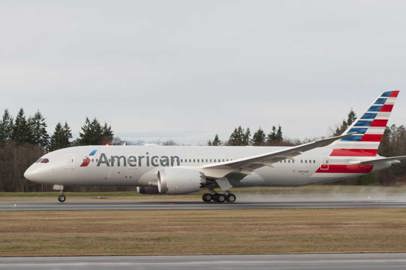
(247, 165)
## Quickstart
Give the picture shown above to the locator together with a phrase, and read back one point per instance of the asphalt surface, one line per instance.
(282, 262)
(78, 206)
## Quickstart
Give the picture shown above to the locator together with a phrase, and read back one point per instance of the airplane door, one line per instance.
(70, 164)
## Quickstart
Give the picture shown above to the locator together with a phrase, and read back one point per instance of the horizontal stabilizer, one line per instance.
(392, 160)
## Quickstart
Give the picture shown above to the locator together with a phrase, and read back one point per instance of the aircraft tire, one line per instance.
(61, 198)
(231, 198)
(221, 198)
(207, 198)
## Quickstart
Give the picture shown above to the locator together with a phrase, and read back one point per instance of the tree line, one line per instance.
(33, 130)
(242, 137)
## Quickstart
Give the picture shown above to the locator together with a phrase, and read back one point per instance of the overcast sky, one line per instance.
(189, 69)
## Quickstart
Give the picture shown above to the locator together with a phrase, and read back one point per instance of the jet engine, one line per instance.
(179, 180)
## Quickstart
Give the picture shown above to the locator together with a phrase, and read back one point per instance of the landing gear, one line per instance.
(231, 198)
(219, 198)
(61, 198)
(207, 197)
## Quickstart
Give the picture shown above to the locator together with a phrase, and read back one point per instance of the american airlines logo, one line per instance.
(86, 161)
(132, 161)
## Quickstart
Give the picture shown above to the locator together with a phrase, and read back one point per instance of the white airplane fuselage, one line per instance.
(138, 165)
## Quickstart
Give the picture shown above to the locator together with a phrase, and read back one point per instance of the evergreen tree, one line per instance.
(259, 138)
(346, 123)
(216, 141)
(39, 132)
(237, 137)
(247, 137)
(352, 116)
(6, 127)
(270, 139)
(21, 130)
(106, 134)
(386, 146)
(93, 133)
(279, 135)
(61, 137)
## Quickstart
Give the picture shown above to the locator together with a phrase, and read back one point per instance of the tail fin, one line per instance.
(368, 130)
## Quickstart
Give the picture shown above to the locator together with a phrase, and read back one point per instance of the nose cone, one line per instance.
(36, 174)
(30, 174)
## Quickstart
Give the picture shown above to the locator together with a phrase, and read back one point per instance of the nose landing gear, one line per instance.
(219, 197)
(61, 196)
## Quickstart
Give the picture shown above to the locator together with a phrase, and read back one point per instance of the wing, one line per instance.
(392, 160)
(247, 165)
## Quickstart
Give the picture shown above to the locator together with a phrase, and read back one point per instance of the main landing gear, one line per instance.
(219, 197)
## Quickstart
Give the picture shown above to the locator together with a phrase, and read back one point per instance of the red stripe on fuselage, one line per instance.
(387, 108)
(372, 138)
(354, 153)
(395, 93)
(356, 169)
(379, 123)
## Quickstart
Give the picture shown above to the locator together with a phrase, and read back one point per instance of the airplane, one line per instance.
(188, 169)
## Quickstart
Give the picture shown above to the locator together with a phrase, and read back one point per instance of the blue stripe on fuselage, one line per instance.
(355, 138)
(358, 130)
(376, 108)
(369, 116)
(380, 101)
(363, 123)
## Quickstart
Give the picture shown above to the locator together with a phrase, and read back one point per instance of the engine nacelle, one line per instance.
(179, 180)
(148, 190)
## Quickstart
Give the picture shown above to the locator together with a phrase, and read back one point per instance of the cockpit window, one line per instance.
(43, 160)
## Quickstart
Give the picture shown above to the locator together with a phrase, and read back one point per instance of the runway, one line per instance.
(136, 206)
(281, 262)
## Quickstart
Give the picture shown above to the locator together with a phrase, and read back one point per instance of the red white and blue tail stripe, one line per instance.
(368, 132)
